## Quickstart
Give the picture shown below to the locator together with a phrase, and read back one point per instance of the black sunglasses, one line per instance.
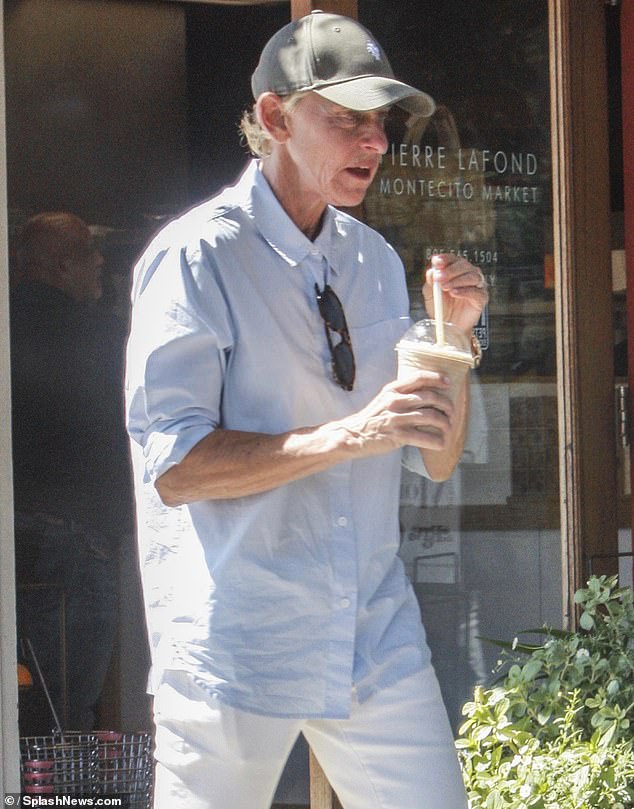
(331, 310)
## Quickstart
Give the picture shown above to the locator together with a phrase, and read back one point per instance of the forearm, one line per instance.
(230, 463)
(440, 464)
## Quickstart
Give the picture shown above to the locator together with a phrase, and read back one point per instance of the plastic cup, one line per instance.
(418, 350)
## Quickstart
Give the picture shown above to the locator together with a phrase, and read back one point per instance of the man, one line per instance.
(267, 435)
(70, 458)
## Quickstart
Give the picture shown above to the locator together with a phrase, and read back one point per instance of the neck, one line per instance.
(305, 210)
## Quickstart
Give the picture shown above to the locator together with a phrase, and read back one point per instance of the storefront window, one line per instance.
(484, 549)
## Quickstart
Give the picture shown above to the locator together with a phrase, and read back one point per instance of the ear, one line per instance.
(59, 269)
(271, 116)
(57, 274)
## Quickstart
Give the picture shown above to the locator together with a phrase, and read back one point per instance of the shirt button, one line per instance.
(342, 522)
(344, 603)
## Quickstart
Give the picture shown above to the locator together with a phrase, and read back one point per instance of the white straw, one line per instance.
(438, 314)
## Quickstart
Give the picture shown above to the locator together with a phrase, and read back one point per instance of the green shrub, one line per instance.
(554, 733)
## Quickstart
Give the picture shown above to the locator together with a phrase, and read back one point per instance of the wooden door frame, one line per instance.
(582, 259)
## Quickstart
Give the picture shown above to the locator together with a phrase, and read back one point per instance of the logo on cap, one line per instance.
(373, 49)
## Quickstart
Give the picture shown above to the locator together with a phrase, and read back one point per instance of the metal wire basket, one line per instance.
(99, 763)
(59, 764)
(125, 766)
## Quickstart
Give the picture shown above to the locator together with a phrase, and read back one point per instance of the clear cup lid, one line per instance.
(424, 331)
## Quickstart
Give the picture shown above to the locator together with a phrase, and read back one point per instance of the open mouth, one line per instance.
(361, 173)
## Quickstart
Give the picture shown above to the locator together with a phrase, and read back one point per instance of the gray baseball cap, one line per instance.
(340, 60)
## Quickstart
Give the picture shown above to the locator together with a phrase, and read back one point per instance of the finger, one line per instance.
(477, 294)
(440, 261)
(472, 295)
(438, 267)
(473, 280)
(447, 267)
(427, 420)
(429, 275)
(424, 400)
(420, 380)
(450, 264)
(419, 398)
(462, 271)
(426, 439)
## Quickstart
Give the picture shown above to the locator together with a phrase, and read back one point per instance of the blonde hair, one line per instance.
(254, 134)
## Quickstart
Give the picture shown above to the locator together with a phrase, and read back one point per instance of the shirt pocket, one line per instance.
(375, 355)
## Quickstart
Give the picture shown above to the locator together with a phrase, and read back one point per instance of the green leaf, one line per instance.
(555, 732)
(482, 732)
(608, 735)
(513, 645)
(586, 621)
(560, 634)
(531, 669)
(494, 801)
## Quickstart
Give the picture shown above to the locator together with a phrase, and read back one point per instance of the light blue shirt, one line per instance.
(277, 603)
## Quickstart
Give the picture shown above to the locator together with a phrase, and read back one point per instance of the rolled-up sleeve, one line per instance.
(176, 357)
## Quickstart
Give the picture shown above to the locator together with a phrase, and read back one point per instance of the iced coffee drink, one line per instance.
(419, 349)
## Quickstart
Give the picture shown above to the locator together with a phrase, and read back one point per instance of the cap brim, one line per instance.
(373, 92)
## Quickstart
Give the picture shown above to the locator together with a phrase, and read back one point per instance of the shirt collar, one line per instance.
(279, 230)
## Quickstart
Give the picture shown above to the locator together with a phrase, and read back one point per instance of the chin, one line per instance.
(350, 200)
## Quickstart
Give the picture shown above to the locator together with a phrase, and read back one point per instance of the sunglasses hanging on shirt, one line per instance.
(331, 310)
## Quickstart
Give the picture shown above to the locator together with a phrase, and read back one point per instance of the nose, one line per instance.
(374, 136)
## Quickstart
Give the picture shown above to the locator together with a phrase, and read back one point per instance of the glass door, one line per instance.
(483, 549)
(488, 551)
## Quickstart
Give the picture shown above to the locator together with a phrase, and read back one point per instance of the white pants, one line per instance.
(395, 751)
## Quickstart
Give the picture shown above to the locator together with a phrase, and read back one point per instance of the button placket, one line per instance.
(344, 548)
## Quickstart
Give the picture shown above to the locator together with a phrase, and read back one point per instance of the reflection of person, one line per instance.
(267, 481)
(70, 461)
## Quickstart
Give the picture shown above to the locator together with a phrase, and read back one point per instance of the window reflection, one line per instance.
(483, 549)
